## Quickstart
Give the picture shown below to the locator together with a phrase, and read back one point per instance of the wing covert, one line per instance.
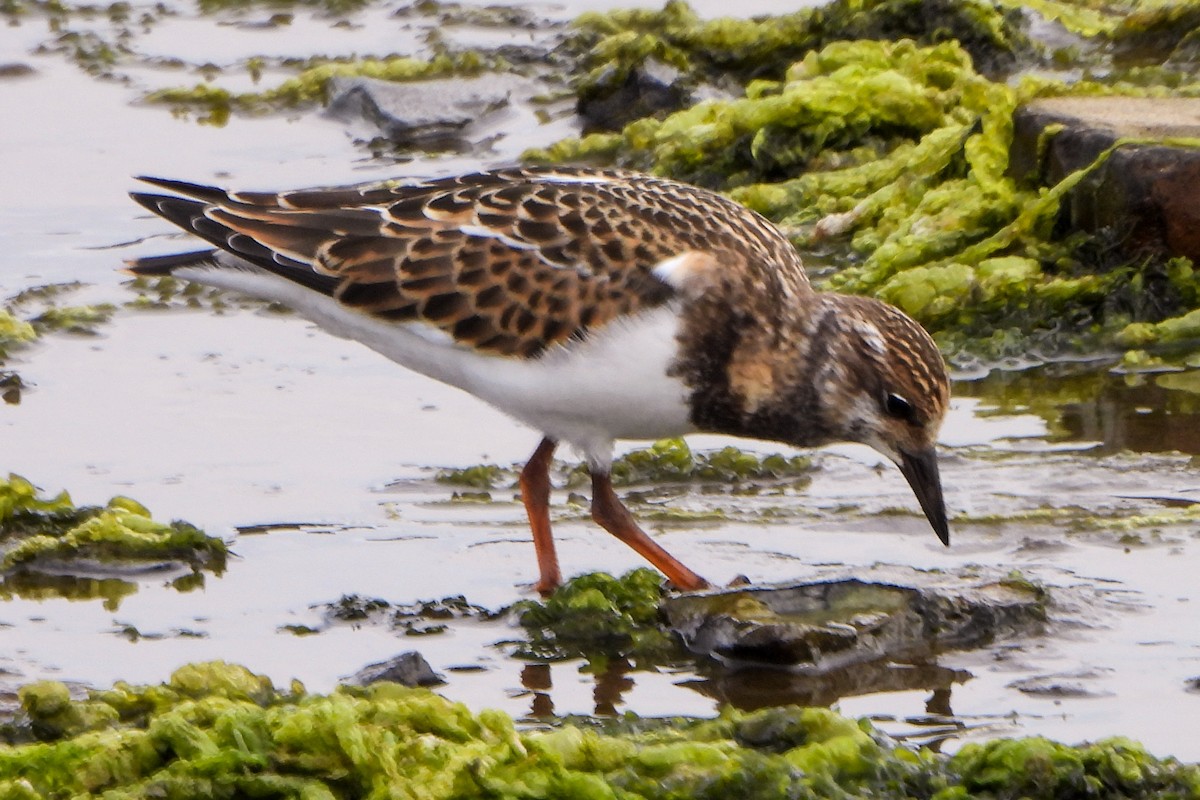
(509, 262)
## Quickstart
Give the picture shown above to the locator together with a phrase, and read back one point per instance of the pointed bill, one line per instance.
(921, 471)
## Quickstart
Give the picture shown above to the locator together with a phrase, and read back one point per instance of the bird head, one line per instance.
(882, 382)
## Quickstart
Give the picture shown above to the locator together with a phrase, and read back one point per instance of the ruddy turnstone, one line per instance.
(591, 305)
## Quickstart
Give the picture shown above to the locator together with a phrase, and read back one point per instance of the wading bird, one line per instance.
(591, 305)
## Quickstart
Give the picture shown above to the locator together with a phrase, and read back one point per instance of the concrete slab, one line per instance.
(1147, 193)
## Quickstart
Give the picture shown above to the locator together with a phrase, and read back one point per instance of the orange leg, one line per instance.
(615, 518)
(535, 493)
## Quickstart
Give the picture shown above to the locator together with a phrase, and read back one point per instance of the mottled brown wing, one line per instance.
(509, 262)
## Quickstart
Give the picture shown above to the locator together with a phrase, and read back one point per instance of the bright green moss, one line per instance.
(1038, 767)
(1077, 17)
(598, 616)
(232, 734)
(832, 100)
(20, 498)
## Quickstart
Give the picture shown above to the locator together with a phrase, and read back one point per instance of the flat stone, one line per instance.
(1062, 686)
(822, 627)
(430, 113)
(1147, 192)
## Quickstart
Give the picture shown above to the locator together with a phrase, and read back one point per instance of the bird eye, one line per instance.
(897, 407)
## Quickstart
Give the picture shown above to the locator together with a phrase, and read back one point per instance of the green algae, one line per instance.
(614, 44)
(890, 160)
(13, 332)
(73, 319)
(598, 617)
(34, 312)
(834, 99)
(308, 87)
(217, 730)
(336, 8)
(36, 532)
(477, 476)
(673, 461)
(668, 461)
(1115, 523)
(154, 294)
(1038, 767)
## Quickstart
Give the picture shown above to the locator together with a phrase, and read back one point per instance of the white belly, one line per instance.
(613, 385)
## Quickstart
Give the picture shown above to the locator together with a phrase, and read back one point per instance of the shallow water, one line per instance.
(252, 420)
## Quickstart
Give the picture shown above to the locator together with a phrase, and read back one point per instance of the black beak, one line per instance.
(921, 470)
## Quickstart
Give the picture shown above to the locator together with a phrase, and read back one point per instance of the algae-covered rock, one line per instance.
(422, 618)
(53, 535)
(392, 741)
(597, 616)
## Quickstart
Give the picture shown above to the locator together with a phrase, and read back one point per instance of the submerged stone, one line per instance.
(824, 626)
(433, 113)
(54, 537)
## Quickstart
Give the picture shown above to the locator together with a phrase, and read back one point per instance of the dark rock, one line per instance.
(646, 89)
(16, 70)
(826, 626)
(409, 669)
(1192, 685)
(440, 113)
(1148, 191)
